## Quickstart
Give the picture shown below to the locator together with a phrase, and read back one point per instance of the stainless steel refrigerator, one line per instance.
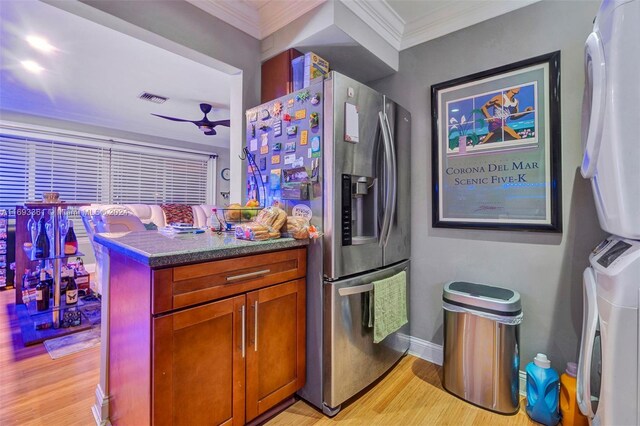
(339, 153)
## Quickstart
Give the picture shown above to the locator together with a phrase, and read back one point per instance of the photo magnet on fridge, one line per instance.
(289, 158)
(290, 147)
(274, 179)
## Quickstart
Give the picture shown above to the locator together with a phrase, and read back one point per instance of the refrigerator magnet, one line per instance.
(304, 135)
(314, 119)
(264, 114)
(277, 128)
(275, 159)
(263, 163)
(277, 108)
(264, 139)
(300, 114)
(290, 147)
(264, 149)
(298, 163)
(292, 130)
(315, 146)
(277, 147)
(274, 179)
(351, 123)
(253, 145)
(289, 158)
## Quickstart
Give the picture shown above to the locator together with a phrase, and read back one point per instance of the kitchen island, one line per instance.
(201, 329)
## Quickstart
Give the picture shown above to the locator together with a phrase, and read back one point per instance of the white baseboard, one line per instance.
(523, 382)
(424, 350)
(434, 353)
(100, 409)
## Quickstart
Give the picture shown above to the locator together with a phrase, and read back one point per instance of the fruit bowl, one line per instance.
(240, 214)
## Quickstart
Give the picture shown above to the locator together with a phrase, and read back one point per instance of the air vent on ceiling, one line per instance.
(146, 96)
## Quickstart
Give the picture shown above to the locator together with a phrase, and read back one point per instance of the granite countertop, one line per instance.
(155, 249)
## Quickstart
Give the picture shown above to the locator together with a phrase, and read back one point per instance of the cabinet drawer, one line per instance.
(192, 284)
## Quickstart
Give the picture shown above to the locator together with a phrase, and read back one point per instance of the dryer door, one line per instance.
(593, 103)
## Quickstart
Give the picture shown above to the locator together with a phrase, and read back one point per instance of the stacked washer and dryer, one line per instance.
(611, 142)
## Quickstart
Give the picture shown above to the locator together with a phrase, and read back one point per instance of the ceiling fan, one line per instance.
(207, 126)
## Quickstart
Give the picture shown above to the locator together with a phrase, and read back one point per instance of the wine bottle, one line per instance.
(42, 292)
(71, 294)
(42, 246)
(70, 241)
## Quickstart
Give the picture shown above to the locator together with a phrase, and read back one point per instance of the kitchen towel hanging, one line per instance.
(389, 305)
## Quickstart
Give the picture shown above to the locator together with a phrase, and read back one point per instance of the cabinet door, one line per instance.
(277, 75)
(199, 366)
(276, 345)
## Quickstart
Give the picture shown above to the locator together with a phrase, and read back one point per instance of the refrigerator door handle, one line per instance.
(394, 179)
(386, 219)
(348, 291)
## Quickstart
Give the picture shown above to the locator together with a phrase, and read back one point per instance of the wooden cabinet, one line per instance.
(226, 343)
(276, 349)
(199, 368)
(277, 75)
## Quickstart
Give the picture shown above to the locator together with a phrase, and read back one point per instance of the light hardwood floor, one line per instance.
(36, 390)
(411, 394)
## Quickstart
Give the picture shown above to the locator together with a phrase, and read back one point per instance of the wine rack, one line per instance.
(4, 262)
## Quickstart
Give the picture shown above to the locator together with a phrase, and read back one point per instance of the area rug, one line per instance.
(72, 343)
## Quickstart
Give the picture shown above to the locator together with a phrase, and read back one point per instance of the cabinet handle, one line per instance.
(255, 328)
(243, 330)
(248, 275)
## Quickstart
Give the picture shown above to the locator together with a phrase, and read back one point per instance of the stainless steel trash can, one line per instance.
(481, 345)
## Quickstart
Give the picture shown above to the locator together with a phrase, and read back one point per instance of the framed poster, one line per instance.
(496, 148)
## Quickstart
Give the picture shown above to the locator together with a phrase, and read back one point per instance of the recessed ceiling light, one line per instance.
(40, 44)
(32, 66)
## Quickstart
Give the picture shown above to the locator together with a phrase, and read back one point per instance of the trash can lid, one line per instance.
(485, 298)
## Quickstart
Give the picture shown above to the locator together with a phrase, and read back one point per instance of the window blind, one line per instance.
(156, 178)
(94, 172)
(28, 168)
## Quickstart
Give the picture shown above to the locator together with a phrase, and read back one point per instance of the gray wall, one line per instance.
(545, 268)
(222, 185)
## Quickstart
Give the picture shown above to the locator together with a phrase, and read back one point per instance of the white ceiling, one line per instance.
(96, 75)
(402, 23)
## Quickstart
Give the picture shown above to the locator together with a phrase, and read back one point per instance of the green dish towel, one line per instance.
(389, 305)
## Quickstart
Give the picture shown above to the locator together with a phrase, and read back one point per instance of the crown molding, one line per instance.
(381, 17)
(242, 15)
(274, 16)
(453, 17)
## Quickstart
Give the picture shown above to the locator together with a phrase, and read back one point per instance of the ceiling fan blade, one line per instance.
(172, 118)
(226, 123)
